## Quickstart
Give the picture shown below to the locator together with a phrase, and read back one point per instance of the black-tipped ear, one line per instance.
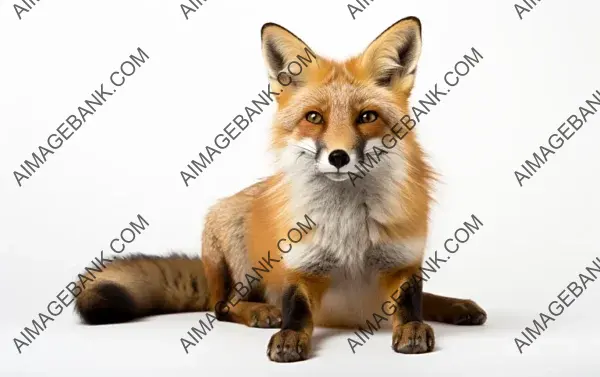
(274, 58)
(281, 48)
(392, 57)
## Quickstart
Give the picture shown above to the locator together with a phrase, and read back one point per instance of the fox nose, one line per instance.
(339, 158)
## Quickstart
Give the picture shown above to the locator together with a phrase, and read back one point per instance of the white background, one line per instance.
(125, 160)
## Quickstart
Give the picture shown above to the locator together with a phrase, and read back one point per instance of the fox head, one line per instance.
(334, 119)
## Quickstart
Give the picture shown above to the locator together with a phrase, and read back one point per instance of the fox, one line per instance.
(366, 237)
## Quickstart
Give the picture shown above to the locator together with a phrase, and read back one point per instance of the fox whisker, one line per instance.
(384, 154)
(312, 152)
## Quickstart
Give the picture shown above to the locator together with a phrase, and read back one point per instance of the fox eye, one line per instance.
(367, 117)
(314, 117)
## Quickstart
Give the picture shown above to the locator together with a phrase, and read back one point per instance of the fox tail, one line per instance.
(139, 285)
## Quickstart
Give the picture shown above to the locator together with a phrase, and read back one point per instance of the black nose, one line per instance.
(339, 158)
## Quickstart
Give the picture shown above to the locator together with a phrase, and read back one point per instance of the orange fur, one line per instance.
(241, 230)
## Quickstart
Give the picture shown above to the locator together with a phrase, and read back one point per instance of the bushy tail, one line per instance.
(140, 285)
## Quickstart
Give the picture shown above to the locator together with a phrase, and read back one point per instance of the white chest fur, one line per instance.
(347, 231)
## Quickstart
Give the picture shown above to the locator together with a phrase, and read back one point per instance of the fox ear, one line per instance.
(286, 56)
(391, 59)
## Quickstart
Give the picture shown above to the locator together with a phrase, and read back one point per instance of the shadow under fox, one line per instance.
(367, 237)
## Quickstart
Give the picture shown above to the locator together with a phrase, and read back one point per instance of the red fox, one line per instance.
(367, 237)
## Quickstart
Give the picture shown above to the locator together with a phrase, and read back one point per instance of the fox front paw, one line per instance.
(413, 337)
(287, 346)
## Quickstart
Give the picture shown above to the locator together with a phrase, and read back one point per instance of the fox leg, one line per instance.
(253, 314)
(452, 310)
(302, 296)
(410, 334)
(231, 306)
